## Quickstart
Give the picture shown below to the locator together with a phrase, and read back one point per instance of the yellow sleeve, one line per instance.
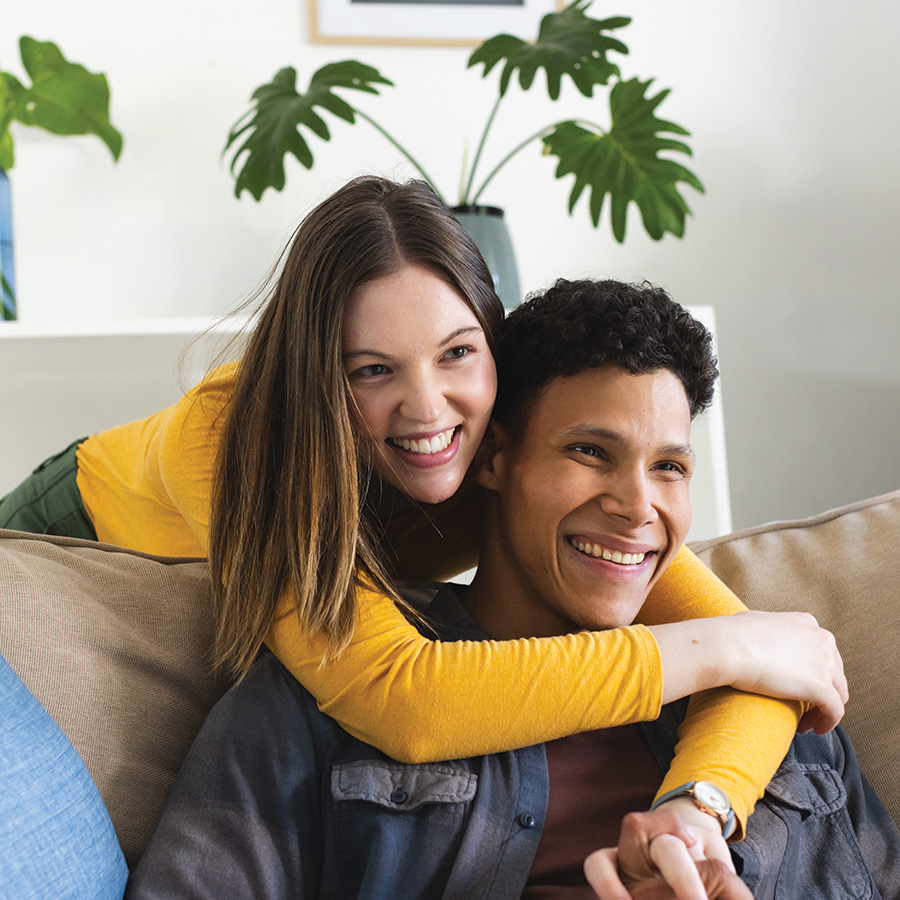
(423, 701)
(147, 484)
(734, 739)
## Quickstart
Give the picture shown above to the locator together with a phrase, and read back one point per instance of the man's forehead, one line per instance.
(594, 401)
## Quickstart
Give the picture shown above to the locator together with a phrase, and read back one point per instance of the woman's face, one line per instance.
(423, 379)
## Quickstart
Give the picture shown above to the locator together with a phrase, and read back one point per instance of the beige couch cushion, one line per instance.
(844, 568)
(115, 645)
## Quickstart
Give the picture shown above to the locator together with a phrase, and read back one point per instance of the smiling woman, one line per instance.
(423, 380)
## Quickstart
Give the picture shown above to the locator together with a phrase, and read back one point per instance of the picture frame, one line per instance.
(461, 23)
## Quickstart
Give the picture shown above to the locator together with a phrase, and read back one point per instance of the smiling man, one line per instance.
(595, 503)
(587, 472)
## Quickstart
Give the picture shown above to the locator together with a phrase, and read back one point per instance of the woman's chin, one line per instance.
(433, 488)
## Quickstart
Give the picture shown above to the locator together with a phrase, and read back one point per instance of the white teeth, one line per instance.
(595, 550)
(428, 446)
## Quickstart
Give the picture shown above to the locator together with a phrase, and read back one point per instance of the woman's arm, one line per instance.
(420, 700)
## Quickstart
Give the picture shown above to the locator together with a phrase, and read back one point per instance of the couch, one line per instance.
(114, 643)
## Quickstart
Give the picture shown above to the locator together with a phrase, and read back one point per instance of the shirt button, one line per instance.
(398, 796)
(526, 820)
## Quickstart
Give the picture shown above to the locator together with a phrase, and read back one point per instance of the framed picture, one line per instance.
(447, 22)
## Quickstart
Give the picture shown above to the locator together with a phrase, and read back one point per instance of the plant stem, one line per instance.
(403, 150)
(464, 199)
(507, 158)
(538, 134)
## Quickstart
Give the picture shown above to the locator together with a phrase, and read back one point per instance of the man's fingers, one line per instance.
(720, 884)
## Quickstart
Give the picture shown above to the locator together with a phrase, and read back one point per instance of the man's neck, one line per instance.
(501, 601)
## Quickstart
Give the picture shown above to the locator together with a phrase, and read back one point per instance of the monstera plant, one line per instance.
(629, 156)
(63, 98)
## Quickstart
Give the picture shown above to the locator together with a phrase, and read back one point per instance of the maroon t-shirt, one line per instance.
(595, 779)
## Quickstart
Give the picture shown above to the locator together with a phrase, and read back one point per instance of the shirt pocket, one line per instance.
(803, 839)
(396, 829)
(402, 788)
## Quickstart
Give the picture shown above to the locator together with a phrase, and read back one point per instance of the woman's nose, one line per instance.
(423, 400)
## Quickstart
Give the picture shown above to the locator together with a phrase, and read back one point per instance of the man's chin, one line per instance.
(617, 615)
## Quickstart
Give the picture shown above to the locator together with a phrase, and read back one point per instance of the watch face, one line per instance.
(713, 797)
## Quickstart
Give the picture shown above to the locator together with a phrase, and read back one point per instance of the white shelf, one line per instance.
(185, 326)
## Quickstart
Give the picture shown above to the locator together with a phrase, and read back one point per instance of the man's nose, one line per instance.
(629, 496)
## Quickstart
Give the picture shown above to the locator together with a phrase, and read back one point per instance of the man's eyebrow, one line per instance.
(598, 431)
(454, 335)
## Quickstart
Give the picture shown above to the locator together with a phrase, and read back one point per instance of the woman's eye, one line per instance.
(369, 371)
(458, 352)
(586, 450)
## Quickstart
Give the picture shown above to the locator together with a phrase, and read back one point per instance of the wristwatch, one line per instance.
(708, 798)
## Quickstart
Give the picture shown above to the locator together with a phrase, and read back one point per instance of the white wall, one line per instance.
(794, 110)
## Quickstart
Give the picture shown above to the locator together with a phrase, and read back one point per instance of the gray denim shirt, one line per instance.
(275, 801)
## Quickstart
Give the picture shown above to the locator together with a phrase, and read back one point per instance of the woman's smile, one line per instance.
(433, 450)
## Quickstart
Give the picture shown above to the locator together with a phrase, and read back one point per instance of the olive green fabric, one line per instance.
(48, 501)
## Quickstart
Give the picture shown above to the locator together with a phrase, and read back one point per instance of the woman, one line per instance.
(309, 491)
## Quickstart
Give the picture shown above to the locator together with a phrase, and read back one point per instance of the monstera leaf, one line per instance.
(569, 43)
(64, 98)
(625, 162)
(280, 111)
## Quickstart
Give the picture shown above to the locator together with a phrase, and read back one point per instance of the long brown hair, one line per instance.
(288, 506)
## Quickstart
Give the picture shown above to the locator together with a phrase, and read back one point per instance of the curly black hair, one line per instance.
(576, 325)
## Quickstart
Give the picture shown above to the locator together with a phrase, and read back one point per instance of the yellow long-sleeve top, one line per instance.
(147, 486)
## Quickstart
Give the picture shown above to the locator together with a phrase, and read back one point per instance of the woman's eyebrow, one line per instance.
(460, 332)
(352, 354)
(453, 336)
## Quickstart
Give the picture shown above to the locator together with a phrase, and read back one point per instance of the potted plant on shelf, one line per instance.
(624, 158)
(63, 98)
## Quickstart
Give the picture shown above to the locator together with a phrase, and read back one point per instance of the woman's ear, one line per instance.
(490, 460)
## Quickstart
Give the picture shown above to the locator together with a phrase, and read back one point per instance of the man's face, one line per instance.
(592, 502)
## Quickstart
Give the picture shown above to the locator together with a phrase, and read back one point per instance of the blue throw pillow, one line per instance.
(56, 837)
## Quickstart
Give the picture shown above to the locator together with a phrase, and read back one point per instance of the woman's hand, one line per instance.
(778, 654)
(788, 655)
(675, 852)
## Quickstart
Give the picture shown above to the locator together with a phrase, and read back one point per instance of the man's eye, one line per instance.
(586, 449)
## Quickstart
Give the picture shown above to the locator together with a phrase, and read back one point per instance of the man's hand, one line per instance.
(662, 851)
(718, 880)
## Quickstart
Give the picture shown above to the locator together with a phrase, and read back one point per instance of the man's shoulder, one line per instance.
(444, 617)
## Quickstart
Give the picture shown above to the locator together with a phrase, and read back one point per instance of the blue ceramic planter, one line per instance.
(7, 268)
(488, 229)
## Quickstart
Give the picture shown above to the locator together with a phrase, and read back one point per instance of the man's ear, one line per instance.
(490, 460)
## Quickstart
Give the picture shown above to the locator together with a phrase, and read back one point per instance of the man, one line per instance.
(588, 469)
